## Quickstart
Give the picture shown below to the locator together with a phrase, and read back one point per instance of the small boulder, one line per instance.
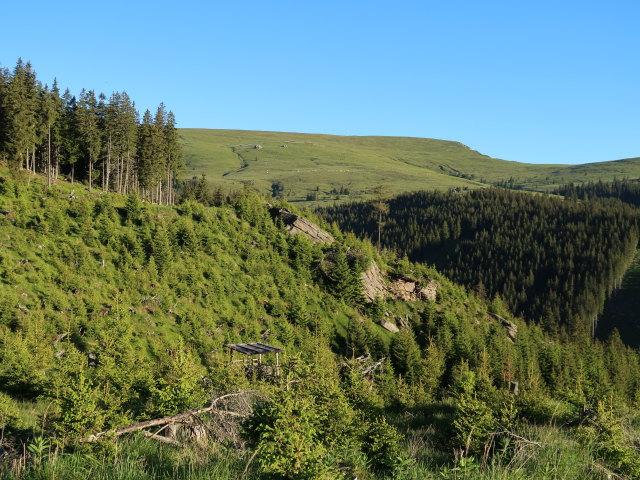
(386, 324)
(296, 225)
(412, 290)
(92, 359)
(510, 327)
(429, 291)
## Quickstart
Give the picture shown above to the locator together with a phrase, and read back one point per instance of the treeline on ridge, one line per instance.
(553, 261)
(625, 190)
(99, 140)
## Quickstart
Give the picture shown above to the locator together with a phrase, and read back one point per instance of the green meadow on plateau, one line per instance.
(436, 313)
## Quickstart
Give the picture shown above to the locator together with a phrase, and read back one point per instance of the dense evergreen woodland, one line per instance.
(91, 137)
(114, 311)
(627, 191)
(553, 261)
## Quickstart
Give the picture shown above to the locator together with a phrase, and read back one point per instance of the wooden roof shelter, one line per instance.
(251, 349)
(254, 348)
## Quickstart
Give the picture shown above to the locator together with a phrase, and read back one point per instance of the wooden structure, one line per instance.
(253, 355)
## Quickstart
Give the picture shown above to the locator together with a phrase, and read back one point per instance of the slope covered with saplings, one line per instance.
(321, 169)
(114, 311)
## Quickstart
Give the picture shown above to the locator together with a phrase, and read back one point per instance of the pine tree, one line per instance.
(88, 121)
(405, 355)
(5, 77)
(357, 338)
(175, 162)
(344, 282)
(70, 141)
(111, 138)
(127, 145)
(160, 153)
(162, 252)
(57, 130)
(149, 174)
(21, 103)
(51, 110)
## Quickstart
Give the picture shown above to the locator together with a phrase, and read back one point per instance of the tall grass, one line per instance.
(542, 453)
(140, 459)
(534, 453)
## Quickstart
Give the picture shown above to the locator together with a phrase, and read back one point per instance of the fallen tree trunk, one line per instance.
(178, 418)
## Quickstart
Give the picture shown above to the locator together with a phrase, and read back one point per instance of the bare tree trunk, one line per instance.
(108, 166)
(126, 175)
(57, 164)
(379, 229)
(49, 167)
(170, 188)
(120, 167)
(181, 417)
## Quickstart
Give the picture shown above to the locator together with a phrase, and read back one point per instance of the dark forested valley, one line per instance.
(553, 261)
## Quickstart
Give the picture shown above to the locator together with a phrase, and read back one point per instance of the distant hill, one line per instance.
(321, 169)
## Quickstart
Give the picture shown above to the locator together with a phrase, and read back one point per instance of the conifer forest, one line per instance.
(153, 327)
(91, 138)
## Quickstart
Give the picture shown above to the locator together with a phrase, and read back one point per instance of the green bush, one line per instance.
(381, 445)
(285, 432)
(613, 443)
(9, 413)
(474, 419)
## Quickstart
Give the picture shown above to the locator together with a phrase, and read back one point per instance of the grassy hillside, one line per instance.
(331, 163)
(114, 311)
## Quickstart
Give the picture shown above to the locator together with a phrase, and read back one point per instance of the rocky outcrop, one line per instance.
(373, 283)
(296, 225)
(401, 288)
(411, 290)
(386, 324)
(429, 291)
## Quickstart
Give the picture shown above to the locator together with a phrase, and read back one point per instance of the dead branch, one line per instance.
(517, 437)
(489, 444)
(179, 418)
(371, 368)
(602, 469)
(162, 439)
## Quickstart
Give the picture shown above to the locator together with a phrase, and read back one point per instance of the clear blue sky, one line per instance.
(532, 81)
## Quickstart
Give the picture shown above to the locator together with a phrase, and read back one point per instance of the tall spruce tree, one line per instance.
(51, 108)
(21, 104)
(88, 120)
(174, 155)
(146, 155)
(70, 141)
